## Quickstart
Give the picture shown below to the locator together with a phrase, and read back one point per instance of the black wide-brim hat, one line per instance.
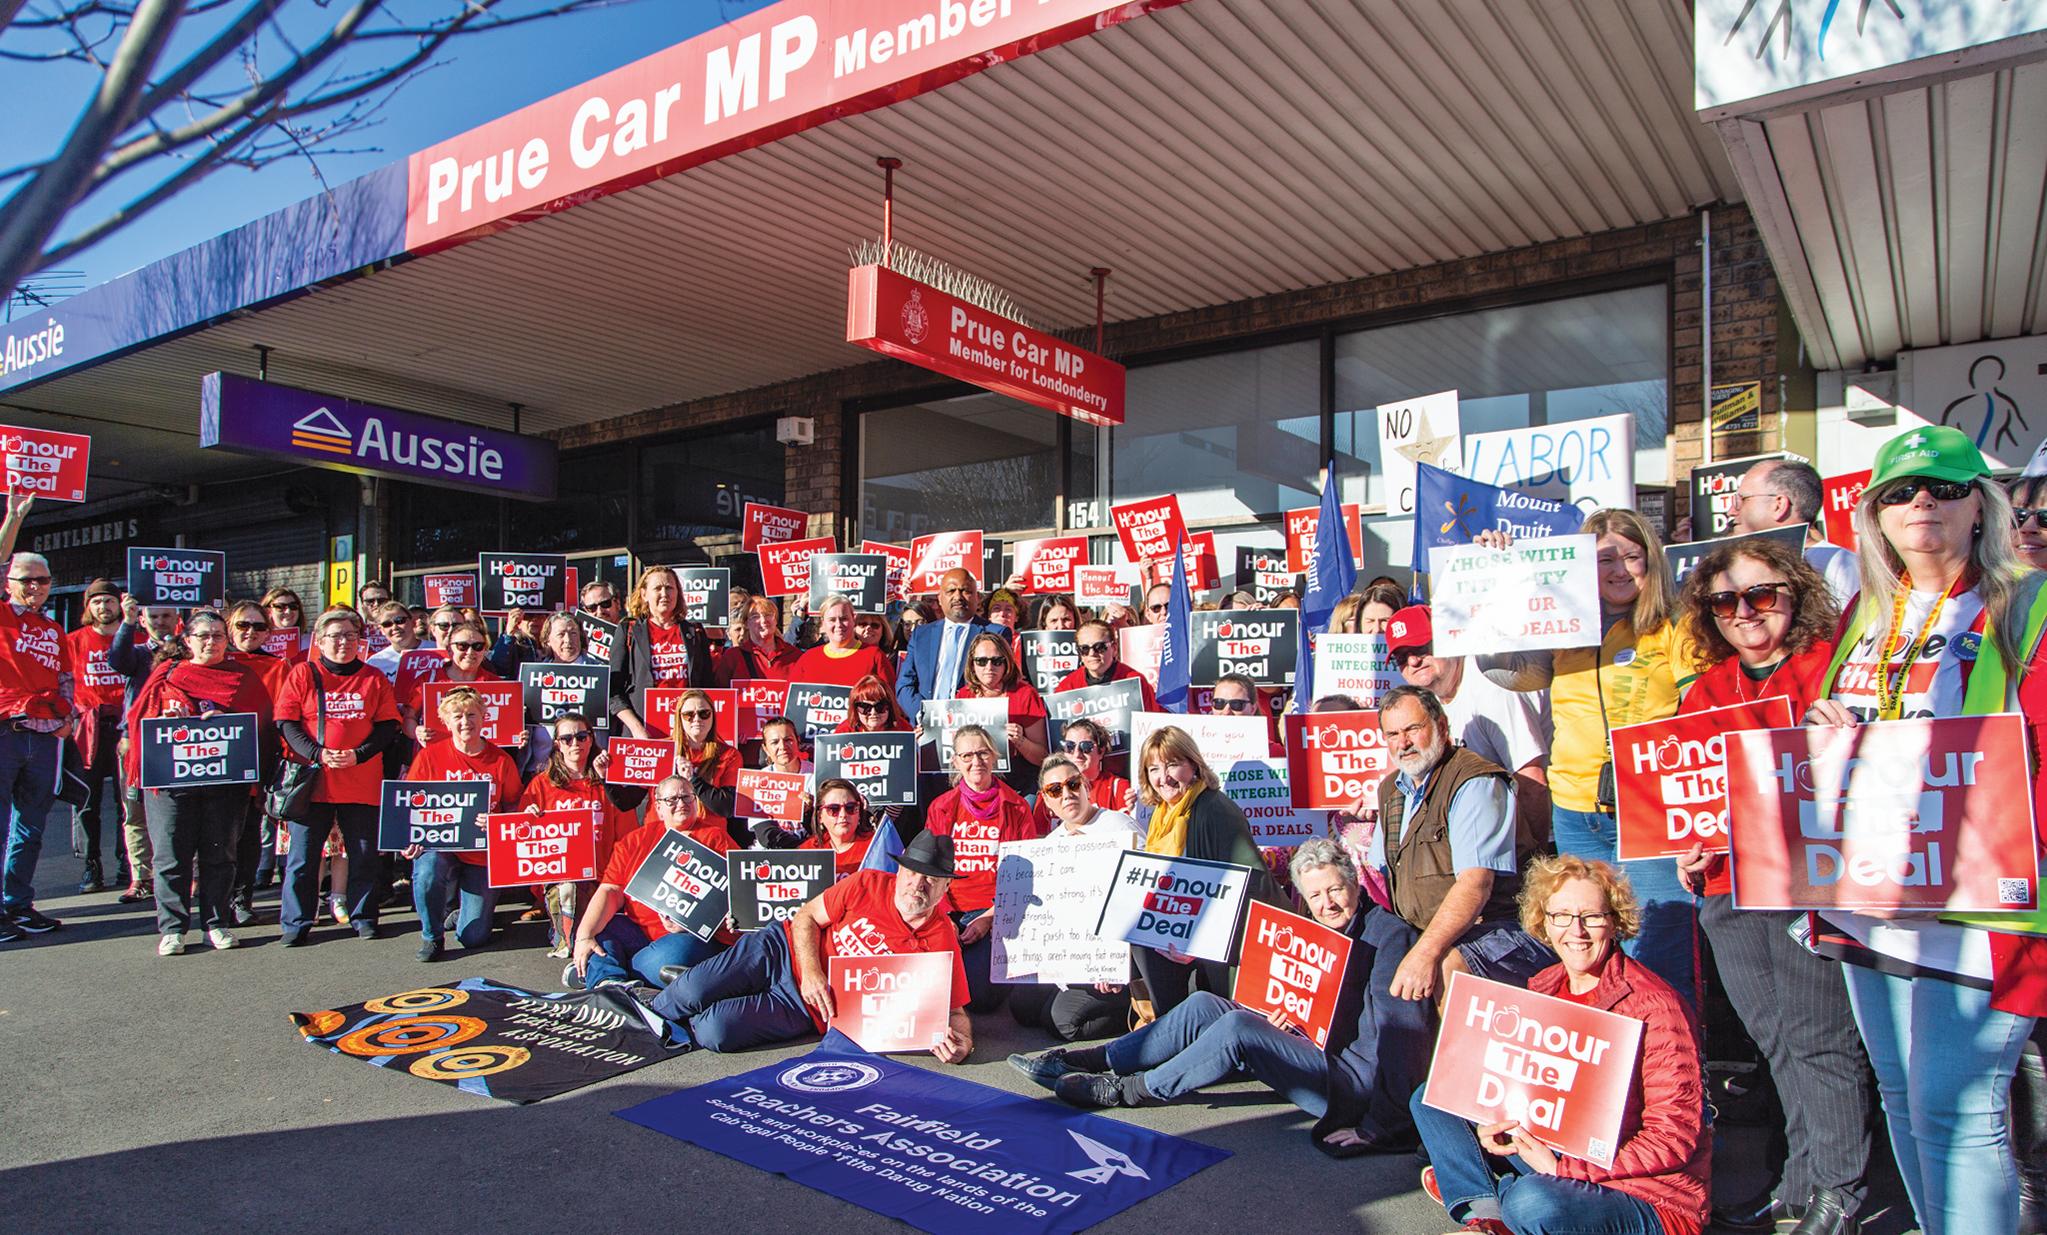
(929, 854)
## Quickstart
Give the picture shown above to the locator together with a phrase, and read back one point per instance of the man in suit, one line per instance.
(936, 662)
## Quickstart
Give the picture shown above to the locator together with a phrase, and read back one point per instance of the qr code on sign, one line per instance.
(1599, 1150)
(2012, 892)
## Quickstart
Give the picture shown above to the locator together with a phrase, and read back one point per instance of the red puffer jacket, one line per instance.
(1666, 1154)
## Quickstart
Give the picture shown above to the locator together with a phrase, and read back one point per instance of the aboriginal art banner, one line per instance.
(941, 1153)
(497, 1041)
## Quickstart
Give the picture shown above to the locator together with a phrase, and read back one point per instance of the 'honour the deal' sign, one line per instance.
(1187, 903)
(551, 847)
(182, 752)
(178, 578)
(529, 581)
(1293, 966)
(1670, 777)
(892, 1003)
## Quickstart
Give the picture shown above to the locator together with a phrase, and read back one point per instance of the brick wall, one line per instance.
(1747, 324)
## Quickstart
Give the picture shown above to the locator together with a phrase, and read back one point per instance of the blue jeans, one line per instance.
(1207, 1039)
(28, 787)
(1669, 940)
(1528, 1202)
(435, 874)
(1944, 1061)
(623, 946)
(744, 996)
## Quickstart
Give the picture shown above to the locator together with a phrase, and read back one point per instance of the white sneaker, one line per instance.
(220, 939)
(170, 945)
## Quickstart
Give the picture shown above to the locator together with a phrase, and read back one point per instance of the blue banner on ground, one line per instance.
(1452, 510)
(942, 1154)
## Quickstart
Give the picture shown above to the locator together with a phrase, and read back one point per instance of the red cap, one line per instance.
(1409, 628)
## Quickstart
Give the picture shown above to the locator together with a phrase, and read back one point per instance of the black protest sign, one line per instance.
(556, 690)
(942, 717)
(1714, 490)
(1108, 705)
(1263, 573)
(1261, 644)
(706, 594)
(1048, 656)
(882, 766)
(770, 885)
(1683, 558)
(178, 578)
(597, 635)
(816, 707)
(991, 562)
(183, 752)
(435, 814)
(530, 581)
(861, 577)
(683, 881)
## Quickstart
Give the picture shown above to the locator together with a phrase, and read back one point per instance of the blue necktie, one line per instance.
(949, 660)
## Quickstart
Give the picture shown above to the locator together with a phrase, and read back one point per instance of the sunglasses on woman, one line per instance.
(989, 662)
(1763, 598)
(1908, 488)
(574, 735)
(1084, 747)
(1061, 788)
(466, 645)
(839, 808)
(877, 708)
(2020, 516)
(247, 626)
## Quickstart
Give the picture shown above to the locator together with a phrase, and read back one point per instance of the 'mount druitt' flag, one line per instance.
(1451, 510)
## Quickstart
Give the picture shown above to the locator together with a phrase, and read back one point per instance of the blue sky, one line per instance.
(482, 76)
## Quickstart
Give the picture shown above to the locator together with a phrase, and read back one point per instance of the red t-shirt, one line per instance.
(355, 702)
(441, 760)
(1725, 685)
(586, 794)
(863, 920)
(97, 683)
(410, 693)
(974, 842)
(33, 657)
(748, 662)
(670, 654)
(271, 669)
(843, 864)
(631, 850)
(819, 666)
(1025, 703)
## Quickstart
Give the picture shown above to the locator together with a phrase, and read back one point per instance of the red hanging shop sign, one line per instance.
(897, 316)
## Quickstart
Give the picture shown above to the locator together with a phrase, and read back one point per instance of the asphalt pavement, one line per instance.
(147, 1094)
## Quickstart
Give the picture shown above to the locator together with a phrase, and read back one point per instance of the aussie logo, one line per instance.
(323, 432)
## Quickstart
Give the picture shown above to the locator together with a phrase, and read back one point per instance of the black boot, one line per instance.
(1828, 1212)
(2029, 1134)
(91, 881)
(1761, 1212)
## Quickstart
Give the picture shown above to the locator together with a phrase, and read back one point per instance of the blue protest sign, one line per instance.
(1452, 510)
(942, 1154)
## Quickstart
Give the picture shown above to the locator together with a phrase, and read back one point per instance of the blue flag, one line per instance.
(884, 849)
(1332, 575)
(1452, 510)
(1176, 654)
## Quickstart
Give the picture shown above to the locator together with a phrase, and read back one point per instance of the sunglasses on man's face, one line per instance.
(1763, 598)
(1229, 705)
(1910, 487)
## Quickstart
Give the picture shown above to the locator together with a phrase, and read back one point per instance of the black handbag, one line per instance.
(72, 788)
(290, 796)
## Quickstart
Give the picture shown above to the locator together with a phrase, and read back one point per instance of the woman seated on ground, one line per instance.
(978, 815)
(1498, 1178)
(614, 947)
(1086, 1011)
(841, 826)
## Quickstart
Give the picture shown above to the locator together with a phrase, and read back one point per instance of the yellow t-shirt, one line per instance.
(1643, 678)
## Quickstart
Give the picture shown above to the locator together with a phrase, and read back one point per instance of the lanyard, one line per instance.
(1890, 687)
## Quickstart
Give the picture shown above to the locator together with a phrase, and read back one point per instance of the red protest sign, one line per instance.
(638, 761)
(1140, 648)
(286, 641)
(755, 700)
(1335, 758)
(504, 708)
(659, 718)
(898, 565)
(760, 794)
(785, 567)
(724, 711)
(44, 462)
(761, 524)
(550, 847)
(1838, 495)
(1670, 777)
(455, 589)
(1301, 526)
(1094, 586)
(1292, 965)
(892, 1003)
(931, 556)
(1901, 814)
(415, 667)
(1197, 554)
(1046, 565)
(1561, 1070)
(1149, 529)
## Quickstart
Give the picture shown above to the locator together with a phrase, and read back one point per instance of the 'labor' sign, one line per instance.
(553, 846)
(1670, 777)
(1190, 904)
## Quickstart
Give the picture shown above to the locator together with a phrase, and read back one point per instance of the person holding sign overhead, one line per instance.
(461, 755)
(841, 826)
(1643, 663)
(1500, 1177)
(200, 823)
(976, 816)
(841, 660)
(657, 646)
(992, 673)
(611, 947)
(1945, 625)
(1764, 618)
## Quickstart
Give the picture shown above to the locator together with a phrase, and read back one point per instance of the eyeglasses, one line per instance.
(1061, 788)
(339, 636)
(468, 645)
(1908, 488)
(974, 756)
(1763, 598)
(1092, 649)
(592, 606)
(245, 627)
(1229, 705)
(1158, 608)
(989, 662)
(878, 707)
(675, 799)
(1085, 747)
(376, 600)
(578, 735)
(696, 714)
(1590, 921)
(839, 808)
(2020, 516)
(206, 636)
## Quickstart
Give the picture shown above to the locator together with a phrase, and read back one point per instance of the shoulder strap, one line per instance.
(1993, 685)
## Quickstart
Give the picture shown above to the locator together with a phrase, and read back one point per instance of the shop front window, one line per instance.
(978, 461)
(696, 489)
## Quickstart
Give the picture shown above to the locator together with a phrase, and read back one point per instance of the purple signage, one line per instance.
(282, 422)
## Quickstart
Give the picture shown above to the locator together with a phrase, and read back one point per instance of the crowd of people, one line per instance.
(1490, 850)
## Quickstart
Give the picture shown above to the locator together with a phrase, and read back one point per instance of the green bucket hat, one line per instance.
(1940, 452)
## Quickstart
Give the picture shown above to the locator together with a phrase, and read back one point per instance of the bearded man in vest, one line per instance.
(1451, 853)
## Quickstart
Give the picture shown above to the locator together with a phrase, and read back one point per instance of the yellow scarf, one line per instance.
(1167, 833)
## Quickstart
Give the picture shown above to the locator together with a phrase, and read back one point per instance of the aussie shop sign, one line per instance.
(178, 578)
(245, 416)
(45, 463)
(182, 752)
(897, 316)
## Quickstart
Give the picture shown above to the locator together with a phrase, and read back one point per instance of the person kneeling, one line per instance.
(1499, 1178)
(774, 985)
(643, 938)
